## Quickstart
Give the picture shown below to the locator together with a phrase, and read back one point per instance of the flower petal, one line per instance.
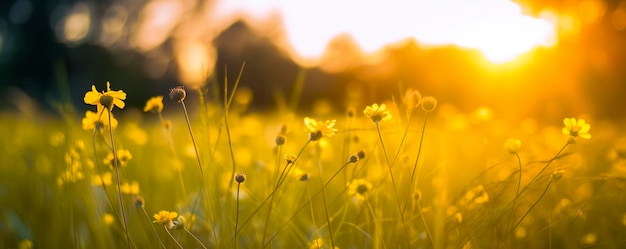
(584, 128)
(92, 97)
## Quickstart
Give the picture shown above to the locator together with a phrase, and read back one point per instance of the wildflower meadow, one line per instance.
(198, 168)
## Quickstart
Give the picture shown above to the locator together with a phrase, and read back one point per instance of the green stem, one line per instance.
(152, 226)
(174, 239)
(530, 209)
(119, 189)
(237, 215)
(419, 152)
(330, 229)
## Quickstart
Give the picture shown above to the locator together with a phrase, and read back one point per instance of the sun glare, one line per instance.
(497, 28)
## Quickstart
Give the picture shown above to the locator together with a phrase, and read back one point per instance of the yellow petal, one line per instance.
(119, 94)
(585, 128)
(120, 104)
(92, 97)
(565, 130)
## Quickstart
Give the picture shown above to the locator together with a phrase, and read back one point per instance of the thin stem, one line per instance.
(152, 226)
(117, 176)
(519, 183)
(374, 221)
(170, 141)
(423, 219)
(330, 229)
(237, 214)
(279, 181)
(393, 181)
(97, 161)
(419, 152)
(194, 237)
(193, 140)
(174, 239)
(531, 208)
(544, 168)
(308, 190)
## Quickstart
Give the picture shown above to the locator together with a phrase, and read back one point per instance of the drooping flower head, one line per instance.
(512, 146)
(154, 104)
(576, 128)
(165, 218)
(106, 99)
(377, 113)
(319, 129)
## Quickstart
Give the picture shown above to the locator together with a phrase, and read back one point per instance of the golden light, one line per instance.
(77, 24)
(157, 19)
(195, 61)
(497, 28)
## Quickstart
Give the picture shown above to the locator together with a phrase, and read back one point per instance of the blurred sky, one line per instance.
(148, 46)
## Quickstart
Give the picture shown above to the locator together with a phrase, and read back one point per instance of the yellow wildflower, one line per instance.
(105, 179)
(576, 128)
(131, 189)
(106, 99)
(358, 188)
(165, 218)
(512, 146)
(123, 156)
(154, 104)
(108, 218)
(93, 120)
(319, 129)
(377, 113)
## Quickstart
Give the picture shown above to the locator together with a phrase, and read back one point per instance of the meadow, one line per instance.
(407, 172)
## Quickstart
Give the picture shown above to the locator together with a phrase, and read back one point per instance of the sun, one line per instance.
(497, 28)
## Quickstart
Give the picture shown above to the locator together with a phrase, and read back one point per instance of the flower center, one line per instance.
(106, 101)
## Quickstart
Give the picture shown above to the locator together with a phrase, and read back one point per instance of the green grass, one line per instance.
(463, 193)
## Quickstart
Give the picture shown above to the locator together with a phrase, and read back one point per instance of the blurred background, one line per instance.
(546, 59)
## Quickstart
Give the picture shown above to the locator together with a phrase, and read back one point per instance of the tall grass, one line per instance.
(434, 192)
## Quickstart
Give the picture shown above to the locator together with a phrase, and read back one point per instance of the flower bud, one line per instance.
(178, 94)
(240, 177)
(429, 103)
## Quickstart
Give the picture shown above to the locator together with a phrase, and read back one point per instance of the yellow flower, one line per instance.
(106, 99)
(94, 121)
(123, 156)
(377, 113)
(154, 104)
(131, 189)
(576, 128)
(319, 129)
(512, 146)
(108, 218)
(358, 188)
(105, 179)
(165, 218)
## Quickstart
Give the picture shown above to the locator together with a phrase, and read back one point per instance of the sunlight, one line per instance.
(497, 28)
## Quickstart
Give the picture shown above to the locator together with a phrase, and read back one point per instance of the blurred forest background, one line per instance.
(146, 47)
